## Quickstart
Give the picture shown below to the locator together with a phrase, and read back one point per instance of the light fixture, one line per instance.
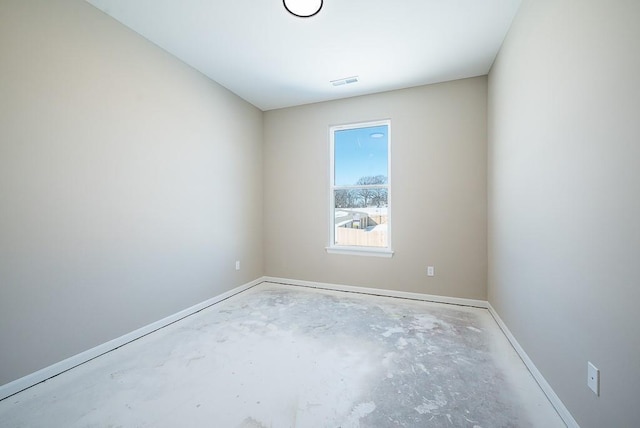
(303, 8)
(377, 135)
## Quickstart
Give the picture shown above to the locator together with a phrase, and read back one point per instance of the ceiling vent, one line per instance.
(345, 81)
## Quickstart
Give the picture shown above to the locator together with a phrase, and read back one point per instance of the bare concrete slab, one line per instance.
(284, 356)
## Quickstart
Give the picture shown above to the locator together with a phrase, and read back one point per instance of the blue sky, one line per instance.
(359, 154)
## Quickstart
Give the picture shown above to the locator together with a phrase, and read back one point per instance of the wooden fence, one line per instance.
(360, 237)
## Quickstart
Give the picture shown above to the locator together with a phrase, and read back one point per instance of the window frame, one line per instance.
(350, 249)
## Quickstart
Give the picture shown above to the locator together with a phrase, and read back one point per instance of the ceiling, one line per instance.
(273, 59)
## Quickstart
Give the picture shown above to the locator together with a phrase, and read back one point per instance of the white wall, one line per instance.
(438, 173)
(129, 184)
(564, 198)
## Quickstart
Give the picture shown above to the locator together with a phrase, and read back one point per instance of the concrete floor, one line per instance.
(284, 356)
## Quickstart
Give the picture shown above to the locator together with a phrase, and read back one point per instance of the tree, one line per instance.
(372, 195)
(365, 196)
(380, 197)
(346, 198)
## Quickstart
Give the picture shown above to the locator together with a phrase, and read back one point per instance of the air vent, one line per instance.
(345, 81)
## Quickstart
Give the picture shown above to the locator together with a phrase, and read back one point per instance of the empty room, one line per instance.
(320, 213)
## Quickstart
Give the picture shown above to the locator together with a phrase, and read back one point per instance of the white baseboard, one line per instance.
(381, 292)
(25, 382)
(55, 369)
(544, 385)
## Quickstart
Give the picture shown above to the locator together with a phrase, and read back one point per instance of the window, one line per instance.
(360, 189)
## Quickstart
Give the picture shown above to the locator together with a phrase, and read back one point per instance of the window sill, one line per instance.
(361, 251)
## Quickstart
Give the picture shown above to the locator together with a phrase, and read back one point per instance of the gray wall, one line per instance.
(129, 184)
(438, 173)
(564, 198)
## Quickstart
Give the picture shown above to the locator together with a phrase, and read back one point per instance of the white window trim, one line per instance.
(352, 250)
(360, 251)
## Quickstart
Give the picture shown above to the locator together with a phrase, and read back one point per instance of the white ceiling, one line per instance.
(272, 59)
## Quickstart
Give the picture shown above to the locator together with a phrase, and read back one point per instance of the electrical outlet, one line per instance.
(237, 264)
(593, 378)
(431, 271)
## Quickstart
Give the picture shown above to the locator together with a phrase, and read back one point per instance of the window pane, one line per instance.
(361, 156)
(361, 217)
